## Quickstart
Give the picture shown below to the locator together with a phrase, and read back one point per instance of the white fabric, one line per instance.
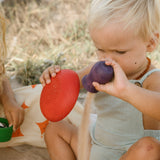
(32, 130)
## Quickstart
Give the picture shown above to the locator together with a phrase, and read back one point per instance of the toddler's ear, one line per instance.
(153, 42)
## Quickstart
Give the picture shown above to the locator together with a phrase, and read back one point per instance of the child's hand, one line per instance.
(51, 71)
(14, 114)
(118, 85)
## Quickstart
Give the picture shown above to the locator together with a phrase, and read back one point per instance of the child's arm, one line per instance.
(81, 73)
(14, 113)
(146, 100)
(53, 70)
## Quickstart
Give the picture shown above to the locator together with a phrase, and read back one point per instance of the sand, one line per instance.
(24, 152)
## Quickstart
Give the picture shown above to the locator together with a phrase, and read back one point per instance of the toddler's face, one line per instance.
(124, 47)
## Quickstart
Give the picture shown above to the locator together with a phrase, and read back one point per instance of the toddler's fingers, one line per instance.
(42, 80)
(111, 62)
(52, 71)
(15, 119)
(9, 118)
(118, 71)
(57, 68)
(98, 86)
(21, 117)
(46, 76)
(19, 121)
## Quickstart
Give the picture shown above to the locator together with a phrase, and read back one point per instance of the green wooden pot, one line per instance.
(5, 133)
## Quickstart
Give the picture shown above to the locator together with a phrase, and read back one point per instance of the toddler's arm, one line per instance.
(51, 71)
(146, 99)
(14, 113)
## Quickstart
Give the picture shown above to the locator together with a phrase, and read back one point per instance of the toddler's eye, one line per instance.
(121, 52)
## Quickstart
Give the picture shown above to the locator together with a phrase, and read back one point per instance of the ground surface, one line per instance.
(23, 152)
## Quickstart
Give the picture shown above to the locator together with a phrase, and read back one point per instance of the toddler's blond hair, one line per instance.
(141, 15)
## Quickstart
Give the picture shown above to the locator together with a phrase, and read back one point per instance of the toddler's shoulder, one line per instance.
(152, 80)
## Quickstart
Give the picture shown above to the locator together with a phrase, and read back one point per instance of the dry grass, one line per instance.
(42, 32)
(47, 31)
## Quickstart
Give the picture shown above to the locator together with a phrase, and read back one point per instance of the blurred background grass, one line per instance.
(45, 32)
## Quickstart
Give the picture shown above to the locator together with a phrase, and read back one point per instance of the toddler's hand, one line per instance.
(51, 71)
(118, 85)
(14, 114)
